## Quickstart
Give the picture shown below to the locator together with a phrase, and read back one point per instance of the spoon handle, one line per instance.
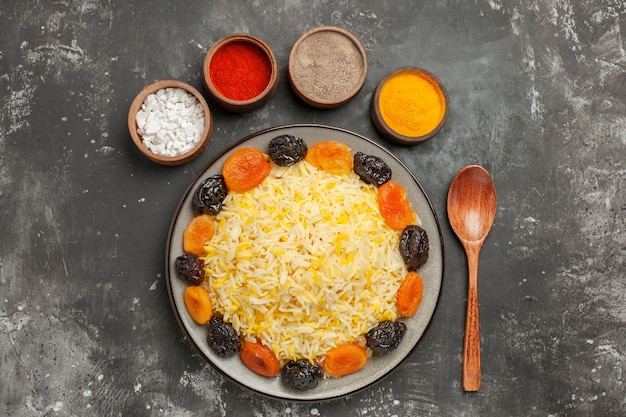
(471, 344)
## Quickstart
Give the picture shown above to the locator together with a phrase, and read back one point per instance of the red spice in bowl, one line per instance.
(240, 72)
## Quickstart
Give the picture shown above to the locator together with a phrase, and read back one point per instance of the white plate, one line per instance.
(378, 367)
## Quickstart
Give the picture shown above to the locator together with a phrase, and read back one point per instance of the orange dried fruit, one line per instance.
(344, 359)
(332, 157)
(245, 168)
(410, 294)
(198, 232)
(198, 304)
(259, 359)
(394, 206)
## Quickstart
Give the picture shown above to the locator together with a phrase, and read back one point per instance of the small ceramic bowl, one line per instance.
(218, 81)
(185, 157)
(327, 67)
(409, 119)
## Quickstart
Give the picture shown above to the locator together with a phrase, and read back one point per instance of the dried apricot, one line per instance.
(394, 206)
(198, 232)
(259, 359)
(410, 294)
(198, 303)
(344, 359)
(245, 168)
(332, 157)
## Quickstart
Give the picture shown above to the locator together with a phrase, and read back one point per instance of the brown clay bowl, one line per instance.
(230, 104)
(327, 67)
(385, 129)
(183, 158)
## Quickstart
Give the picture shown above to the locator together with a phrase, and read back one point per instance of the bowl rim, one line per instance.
(385, 129)
(162, 159)
(254, 102)
(325, 103)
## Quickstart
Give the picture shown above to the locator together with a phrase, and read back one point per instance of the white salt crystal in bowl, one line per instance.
(170, 122)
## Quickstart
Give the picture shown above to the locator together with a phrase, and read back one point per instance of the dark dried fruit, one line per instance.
(222, 338)
(386, 336)
(190, 269)
(371, 169)
(301, 374)
(414, 247)
(209, 196)
(286, 150)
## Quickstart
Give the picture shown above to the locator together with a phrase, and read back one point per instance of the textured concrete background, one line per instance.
(537, 95)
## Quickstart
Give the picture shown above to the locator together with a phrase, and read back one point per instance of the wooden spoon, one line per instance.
(471, 210)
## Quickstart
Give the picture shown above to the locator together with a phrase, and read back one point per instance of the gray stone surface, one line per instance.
(537, 96)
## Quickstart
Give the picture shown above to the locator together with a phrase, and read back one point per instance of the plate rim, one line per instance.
(190, 189)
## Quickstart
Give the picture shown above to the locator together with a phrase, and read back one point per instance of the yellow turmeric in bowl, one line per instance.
(412, 103)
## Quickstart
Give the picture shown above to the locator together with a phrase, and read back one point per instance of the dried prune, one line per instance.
(414, 247)
(371, 169)
(286, 150)
(301, 374)
(209, 196)
(190, 269)
(386, 336)
(222, 337)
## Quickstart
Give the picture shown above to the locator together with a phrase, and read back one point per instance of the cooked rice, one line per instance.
(304, 261)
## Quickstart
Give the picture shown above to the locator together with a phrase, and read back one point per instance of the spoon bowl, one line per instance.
(471, 212)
